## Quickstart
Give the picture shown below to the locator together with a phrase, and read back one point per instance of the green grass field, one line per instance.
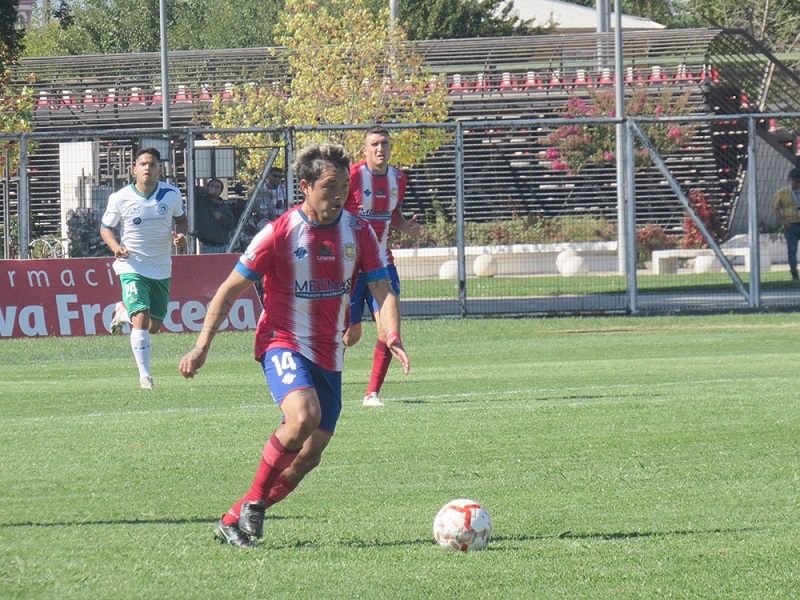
(619, 458)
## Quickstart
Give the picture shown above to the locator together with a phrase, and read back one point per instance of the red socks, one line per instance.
(282, 488)
(381, 359)
(274, 460)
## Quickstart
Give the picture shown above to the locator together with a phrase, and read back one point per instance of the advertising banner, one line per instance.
(76, 296)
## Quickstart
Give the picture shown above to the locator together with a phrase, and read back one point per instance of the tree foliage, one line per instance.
(11, 36)
(345, 67)
(116, 26)
(445, 19)
(16, 105)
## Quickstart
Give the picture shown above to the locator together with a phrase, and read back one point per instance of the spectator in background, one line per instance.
(271, 199)
(786, 204)
(214, 219)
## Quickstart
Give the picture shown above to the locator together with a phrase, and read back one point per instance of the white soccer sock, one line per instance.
(140, 344)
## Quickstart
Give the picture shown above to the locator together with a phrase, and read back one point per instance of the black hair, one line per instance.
(152, 151)
(312, 160)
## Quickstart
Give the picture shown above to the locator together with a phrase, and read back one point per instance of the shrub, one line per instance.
(439, 231)
(649, 238)
(692, 236)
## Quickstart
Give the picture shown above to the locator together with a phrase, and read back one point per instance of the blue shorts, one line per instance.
(287, 371)
(362, 296)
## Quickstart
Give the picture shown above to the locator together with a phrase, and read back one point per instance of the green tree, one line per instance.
(16, 105)
(345, 67)
(11, 36)
(114, 26)
(210, 24)
(775, 24)
(444, 19)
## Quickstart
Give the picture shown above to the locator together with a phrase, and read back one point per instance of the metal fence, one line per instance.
(506, 230)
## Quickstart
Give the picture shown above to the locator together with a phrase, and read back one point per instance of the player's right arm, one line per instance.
(110, 238)
(218, 310)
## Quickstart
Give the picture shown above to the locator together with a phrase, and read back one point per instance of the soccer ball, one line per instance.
(462, 525)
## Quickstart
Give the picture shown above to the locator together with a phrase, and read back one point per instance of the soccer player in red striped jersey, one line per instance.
(308, 259)
(377, 191)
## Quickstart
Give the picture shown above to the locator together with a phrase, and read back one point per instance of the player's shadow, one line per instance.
(196, 520)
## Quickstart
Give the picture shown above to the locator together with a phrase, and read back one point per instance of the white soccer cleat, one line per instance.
(120, 318)
(372, 399)
(146, 381)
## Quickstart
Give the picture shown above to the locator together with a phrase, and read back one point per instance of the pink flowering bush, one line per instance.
(571, 148)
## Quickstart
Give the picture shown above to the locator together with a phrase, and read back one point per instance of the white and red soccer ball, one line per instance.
(462, 525)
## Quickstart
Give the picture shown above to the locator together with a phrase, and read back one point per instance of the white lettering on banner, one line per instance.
(90, 312)
(67, 279)
(68, 298)
(192, 314)
(38, 278)
(64, 313)
(7, 320)
(39, 275)
(31, 321)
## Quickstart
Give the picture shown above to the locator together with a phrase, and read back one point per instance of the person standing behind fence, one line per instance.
(214, 219)
(144, 211)
(786, 204)
(377, 191)
(308, 259)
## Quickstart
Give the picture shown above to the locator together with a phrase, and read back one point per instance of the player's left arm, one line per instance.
(389, 308)
(180, 232)
(409, 226)
(398, 220)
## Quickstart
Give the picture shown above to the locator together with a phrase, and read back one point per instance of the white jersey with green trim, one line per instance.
(146, 225)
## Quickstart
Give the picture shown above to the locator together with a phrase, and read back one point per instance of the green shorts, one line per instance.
(144, 294)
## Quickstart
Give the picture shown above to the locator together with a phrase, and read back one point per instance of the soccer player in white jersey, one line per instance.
(308, 259)
(145, 212)
(377, 191)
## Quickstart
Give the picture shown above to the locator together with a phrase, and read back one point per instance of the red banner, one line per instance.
(76, 296)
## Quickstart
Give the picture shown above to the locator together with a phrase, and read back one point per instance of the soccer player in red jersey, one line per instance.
(377, 191)
(308, 258)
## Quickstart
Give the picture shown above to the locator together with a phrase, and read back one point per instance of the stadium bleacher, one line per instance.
(503, 79)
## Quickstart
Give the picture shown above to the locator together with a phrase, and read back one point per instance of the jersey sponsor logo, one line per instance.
(137, 220)
(325, 251)
(322, 288)
(366, 193)
(370, 214)
(300, 253)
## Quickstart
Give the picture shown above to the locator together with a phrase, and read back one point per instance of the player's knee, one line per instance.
(302, 423)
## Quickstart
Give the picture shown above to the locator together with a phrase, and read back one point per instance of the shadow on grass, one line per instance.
(630, 535)
(209, 520)
(478, 399)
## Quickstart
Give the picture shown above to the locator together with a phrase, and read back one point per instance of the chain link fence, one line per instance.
(512, 224)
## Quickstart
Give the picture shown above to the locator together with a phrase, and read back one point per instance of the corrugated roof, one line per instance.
(574, 17)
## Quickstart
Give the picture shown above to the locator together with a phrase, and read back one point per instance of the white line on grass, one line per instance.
(532, 391)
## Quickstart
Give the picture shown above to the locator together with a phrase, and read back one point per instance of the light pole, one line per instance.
(162, 15)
